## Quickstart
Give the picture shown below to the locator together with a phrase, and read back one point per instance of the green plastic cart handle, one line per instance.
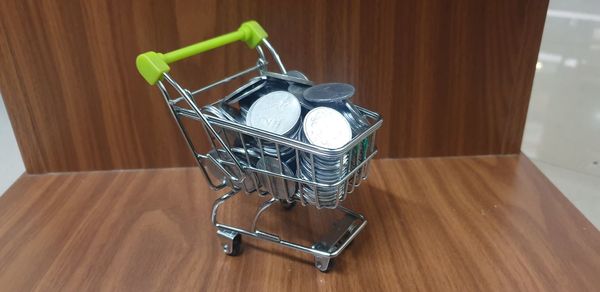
(152, 65)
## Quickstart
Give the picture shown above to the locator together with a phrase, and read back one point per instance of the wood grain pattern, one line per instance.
(449, 77)
(439, 224)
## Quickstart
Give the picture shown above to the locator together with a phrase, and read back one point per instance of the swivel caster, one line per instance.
(324, 264)
(231, 242)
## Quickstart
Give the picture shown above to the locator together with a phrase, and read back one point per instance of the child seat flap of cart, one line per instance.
(279, 136)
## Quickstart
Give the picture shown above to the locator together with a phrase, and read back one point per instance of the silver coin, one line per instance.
(297, 74)
(277, 112)
(230, 113)
(297, 90)
(248, 154)
(213, 111)
(329, 92)
(324, 169)
(271, 149)
(327, 128)
(288, 78)
(319, 175)
(331, 170)
(324, 196)
(247, 89)
(357, 122)
(355, 112)
(274, 85)
(278, 187)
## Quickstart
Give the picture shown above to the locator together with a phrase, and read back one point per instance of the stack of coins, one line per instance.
(277, 112)
(280, 188)
(277, 103)
(269, 84)
(327, 128)
(337, 96)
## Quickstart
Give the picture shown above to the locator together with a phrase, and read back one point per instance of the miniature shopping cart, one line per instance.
(230, 164)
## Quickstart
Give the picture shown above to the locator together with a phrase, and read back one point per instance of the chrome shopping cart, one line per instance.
(249, 160)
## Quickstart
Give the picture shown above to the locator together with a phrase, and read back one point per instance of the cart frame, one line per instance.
(238, 174)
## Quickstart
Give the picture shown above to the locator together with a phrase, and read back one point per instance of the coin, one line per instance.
(288, 78)
(297, 74)
(278, 187)
(213, 111)
(327, 128)
(231, 113)
(297, 90)
(276, 112)
(252, 86)
(329, 92)
(357, 122)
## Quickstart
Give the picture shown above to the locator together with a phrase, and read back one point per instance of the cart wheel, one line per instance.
(231, 242)
(286, 205)
(236, 247)
(324, 264)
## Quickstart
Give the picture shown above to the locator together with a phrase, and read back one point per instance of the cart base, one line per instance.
(324, 251)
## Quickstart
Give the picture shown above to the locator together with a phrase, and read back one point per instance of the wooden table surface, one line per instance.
(439, 224)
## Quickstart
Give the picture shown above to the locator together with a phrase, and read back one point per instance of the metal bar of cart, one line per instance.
(335, 246)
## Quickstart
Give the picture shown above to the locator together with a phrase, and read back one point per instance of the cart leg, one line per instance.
(265, 205)
(324, 264)
(231, 242)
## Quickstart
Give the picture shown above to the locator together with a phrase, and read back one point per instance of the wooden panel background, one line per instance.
(449, 77)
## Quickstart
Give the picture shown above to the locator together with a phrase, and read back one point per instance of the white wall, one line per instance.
(11, 163)
(562, 134)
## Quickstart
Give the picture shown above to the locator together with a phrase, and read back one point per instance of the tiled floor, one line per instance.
(582, 189)
(11, 166)
(562, 134)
